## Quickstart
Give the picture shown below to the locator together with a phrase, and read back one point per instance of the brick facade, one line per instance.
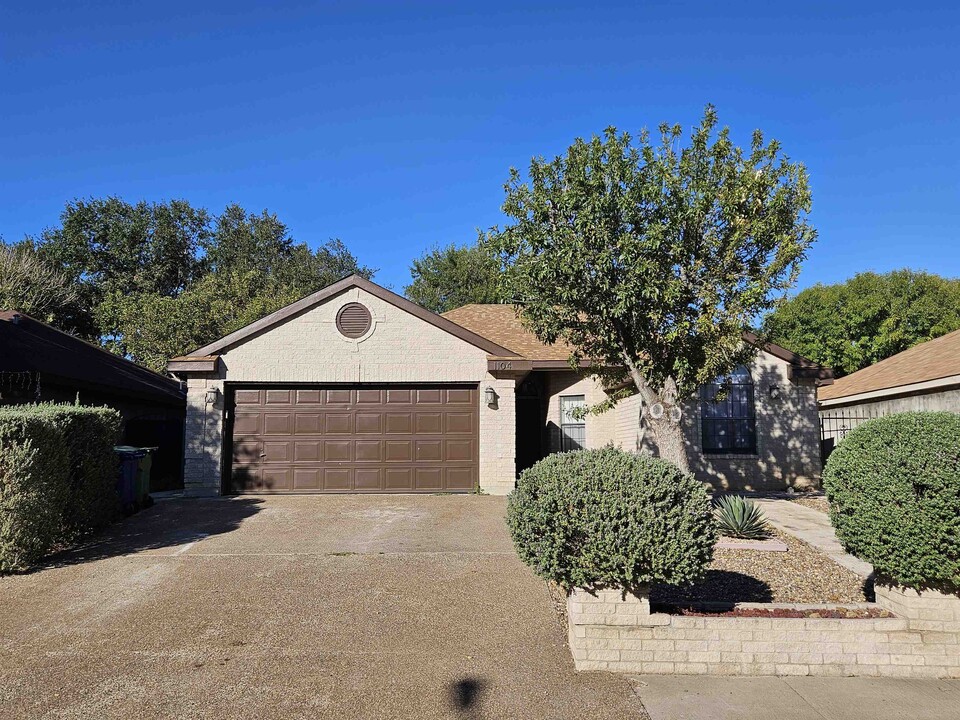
(609, 631)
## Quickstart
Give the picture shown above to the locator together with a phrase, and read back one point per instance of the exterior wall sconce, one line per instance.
(774, 392)
(490, 396)
(213, 394)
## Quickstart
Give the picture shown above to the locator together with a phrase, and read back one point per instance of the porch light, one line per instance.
(774, 392)
(212, 395)
(490, 396)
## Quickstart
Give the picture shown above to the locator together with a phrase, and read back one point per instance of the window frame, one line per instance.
(565, 440)
(739, 407)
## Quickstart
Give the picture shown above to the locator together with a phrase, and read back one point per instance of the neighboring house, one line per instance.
(356, 389)
(39, 363)
(925, 377)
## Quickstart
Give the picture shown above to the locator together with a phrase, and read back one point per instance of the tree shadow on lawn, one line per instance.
(719, 586)
(167, 524)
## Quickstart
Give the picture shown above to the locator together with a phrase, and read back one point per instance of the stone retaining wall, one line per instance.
(610, 632)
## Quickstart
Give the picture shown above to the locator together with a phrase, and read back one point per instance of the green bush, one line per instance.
(894, 491)
(58, 475)
(611, 519)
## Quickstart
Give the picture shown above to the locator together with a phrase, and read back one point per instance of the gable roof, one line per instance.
(310, 301)
(28, 345)
(934, 360)
(501, 324)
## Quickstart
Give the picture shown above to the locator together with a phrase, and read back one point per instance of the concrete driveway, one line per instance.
(296, 607)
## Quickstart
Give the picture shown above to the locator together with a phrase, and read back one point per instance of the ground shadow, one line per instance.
(464, 696)
(167, 524)
(719, 586)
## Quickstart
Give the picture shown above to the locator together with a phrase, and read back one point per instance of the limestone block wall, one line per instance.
(608, 631)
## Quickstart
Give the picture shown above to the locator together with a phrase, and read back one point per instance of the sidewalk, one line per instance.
(687, 697)
(814, 528)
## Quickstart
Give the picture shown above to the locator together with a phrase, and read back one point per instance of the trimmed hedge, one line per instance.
(610, 519)
(894, 491)
(58, 474)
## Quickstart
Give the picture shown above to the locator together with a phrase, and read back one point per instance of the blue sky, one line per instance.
(392, 125)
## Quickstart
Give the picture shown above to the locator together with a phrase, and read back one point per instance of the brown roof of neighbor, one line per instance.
(28, 345)
(500, 324)
(932, 360)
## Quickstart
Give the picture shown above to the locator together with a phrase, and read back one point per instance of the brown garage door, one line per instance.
(355, 439)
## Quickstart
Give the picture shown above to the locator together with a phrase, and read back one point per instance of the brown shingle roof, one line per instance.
(500, 324)
(932, 360)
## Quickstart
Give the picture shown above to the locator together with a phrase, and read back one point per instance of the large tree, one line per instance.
(867, 318)
(159, 279)
(650, 259)
(448, 277)
(34, 287)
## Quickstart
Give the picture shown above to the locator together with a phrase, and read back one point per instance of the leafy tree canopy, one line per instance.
(867, 318)
(155, 280)
(34, 287)
(446, 278)
(654, 257)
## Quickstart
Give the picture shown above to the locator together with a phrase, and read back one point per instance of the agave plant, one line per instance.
(740, 518)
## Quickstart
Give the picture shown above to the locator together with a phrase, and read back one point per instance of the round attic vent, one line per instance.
(353, 320)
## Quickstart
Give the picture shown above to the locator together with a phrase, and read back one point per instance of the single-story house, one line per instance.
(356, 389)
(39, 363)
(925, 377)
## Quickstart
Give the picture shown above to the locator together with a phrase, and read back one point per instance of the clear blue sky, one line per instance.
(392, 125)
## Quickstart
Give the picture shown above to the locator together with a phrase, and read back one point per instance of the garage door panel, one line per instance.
(248, 397)
(368, 450)
(459, 450)
(308, 423)
(337, 479)
(367, 479)
(369, 423)
(398, 423)
(398, 478)
(460, 478)
(337, 450)
(278, 423)
(460, 423)
(355, 439)
(307, 451)
(338, 424)
(429, 423)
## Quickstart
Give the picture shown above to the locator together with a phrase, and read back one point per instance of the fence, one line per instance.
(835, 424)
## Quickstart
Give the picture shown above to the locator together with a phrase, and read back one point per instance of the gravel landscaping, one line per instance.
(800, 575)
(816, 502)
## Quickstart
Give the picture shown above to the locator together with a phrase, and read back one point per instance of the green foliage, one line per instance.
(610, 519)
(738, 517)
(32, 286)
(155, 280)
(869, 317)
(58, 474)
(653, 257)
(894, 491)
(449, 277)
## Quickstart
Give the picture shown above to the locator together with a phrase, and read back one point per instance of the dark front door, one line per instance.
(531, 422)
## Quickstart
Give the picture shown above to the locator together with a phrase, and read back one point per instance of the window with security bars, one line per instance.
(573, 430)
(728, 422)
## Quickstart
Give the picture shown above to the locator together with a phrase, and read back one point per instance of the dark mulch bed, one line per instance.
(837, 613)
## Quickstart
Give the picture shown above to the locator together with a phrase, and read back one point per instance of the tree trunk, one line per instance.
(670, 441)
(668, 433)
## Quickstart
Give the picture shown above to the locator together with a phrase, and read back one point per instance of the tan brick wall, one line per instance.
(611, 632)
(600, 429)
(788, 435)
(308, 348)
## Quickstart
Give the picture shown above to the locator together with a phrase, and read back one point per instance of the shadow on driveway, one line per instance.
(166, 524)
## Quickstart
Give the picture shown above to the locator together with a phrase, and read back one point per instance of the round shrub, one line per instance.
(611, 519)
(894, 491)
